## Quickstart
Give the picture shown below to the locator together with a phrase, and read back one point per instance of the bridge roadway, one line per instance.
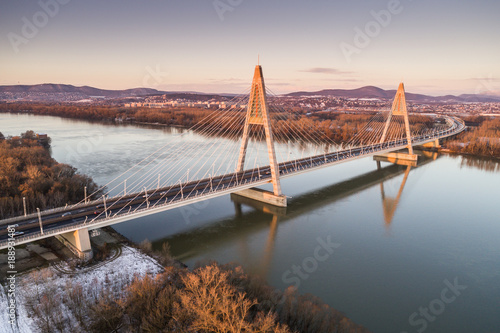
(119, 209)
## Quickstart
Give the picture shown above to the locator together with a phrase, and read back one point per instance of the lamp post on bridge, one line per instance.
(146, 195)
(24, 205)
(85, 193)
(105, 208)
(40, 220)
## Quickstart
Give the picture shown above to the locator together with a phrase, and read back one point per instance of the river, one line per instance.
(396, 250)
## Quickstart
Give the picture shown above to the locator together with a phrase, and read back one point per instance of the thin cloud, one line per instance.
(324, 70)
(277, 82)
(281, 84)
(340, 80)
(486, 78)
(228, 80)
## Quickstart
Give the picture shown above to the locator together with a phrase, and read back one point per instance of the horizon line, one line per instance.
(492, 94)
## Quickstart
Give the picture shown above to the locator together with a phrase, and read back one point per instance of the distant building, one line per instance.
(43, 139)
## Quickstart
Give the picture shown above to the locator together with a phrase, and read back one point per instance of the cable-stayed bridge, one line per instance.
(240, 154)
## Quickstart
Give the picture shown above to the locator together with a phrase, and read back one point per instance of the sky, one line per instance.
(436, 47)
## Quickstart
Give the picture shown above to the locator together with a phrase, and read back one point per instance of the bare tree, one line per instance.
(214, 305)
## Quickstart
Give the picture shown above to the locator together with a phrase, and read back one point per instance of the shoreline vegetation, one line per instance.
(28, 171)
(481, 139)
(337, 127)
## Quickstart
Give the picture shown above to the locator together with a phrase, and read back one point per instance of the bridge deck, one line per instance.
(119, 209)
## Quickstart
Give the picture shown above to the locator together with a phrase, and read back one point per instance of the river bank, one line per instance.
(480, 141)
(126, 284)
(48, 268)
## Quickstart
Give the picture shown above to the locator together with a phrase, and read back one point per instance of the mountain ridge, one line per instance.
(358, 93)
(84, 90)
(376, 92)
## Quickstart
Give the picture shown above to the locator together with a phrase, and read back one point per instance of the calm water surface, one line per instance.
(423, 257)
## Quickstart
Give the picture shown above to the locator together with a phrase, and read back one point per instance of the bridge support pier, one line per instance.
(78, 242)
(258, 205)
(263, 196)
(433, 144)
(397, 158)
(431, 155)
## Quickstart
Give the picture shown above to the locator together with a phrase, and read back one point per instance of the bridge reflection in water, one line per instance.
(247, 223)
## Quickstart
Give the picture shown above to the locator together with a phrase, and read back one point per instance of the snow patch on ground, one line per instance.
(113, 275)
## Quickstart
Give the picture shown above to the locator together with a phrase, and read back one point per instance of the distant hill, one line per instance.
(375, 92)
(51, 91)
(51, 88)
(67, 92)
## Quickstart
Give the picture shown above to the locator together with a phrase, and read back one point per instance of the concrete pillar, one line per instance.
(237, 209)
(398, 158)
(258, 115)
(263, 196)
(259, 205)
(399, 109)
(78, 242)
(433, 144)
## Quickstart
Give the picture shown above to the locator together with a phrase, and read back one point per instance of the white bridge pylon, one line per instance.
(399, 109)
(257, 115)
